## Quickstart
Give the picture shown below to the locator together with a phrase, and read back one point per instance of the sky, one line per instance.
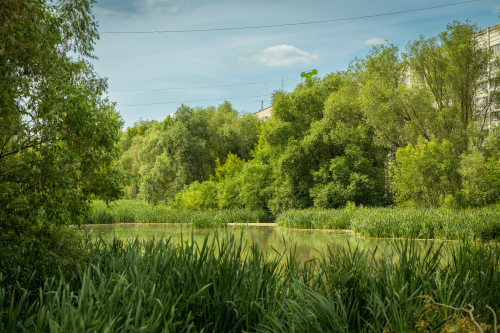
(151, 75)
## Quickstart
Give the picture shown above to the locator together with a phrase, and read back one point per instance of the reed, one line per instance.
(483, 224)
(136, 211)
(220, 285)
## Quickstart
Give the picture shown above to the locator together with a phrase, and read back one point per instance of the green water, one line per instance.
(307, 244)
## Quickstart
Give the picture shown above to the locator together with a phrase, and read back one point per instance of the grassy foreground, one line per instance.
(130, 211)
(218, 286)
(428, 223)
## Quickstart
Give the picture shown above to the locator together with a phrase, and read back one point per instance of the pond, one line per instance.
(307, 244)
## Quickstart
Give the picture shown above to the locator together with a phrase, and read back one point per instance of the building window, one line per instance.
(495, 48)
(481, 102)
(482, 86)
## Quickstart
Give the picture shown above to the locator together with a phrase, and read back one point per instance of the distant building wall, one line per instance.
(264, 114)
(489, 39)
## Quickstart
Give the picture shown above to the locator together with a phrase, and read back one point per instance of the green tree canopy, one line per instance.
(58, 134)
(432, 90)
(422, 114)
(162, 158)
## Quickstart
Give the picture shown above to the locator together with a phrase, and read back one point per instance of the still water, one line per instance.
(307, 244)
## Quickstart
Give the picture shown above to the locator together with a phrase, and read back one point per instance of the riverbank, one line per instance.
(477, 224)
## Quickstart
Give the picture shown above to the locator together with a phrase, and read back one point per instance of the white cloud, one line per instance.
(280, 55)
(140, 7)
(375, 41)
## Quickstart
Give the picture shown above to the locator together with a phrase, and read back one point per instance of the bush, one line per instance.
(351, 177)
(480, 179)
(425, 174)
(197, 196)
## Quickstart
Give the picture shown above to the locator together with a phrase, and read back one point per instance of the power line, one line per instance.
(225, 85)
(286, 24)
(205, 100)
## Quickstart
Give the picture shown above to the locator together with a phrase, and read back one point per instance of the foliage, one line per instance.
(197, 196)
(460, 65)
(58, 133)
(384, 131)
(162, 158)
(403, 101)
(221, 286)
(480, 179)
(229, 169)
(349, 178)
(425, 174)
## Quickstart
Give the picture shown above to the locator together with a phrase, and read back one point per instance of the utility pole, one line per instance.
(282, 83)
(262, 105)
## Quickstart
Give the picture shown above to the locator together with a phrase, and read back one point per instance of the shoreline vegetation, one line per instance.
(219, 285)
(477, 224)
(136, 211)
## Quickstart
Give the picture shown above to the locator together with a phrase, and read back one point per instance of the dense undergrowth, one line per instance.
(130, 211)
(481, 224)
(219, 286)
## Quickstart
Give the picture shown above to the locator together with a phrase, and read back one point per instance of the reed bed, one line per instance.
(220, 286)
(136, 211)
(315, 218)
(431, 223)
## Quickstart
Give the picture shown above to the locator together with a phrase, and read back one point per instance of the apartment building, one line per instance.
(489, 39)
(264, 114)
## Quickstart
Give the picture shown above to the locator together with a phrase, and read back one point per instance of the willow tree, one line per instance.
(58, 134)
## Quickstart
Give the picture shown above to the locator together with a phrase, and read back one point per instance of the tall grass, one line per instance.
(220, 286)
(316, 218)
(398, 222)
(129, 211)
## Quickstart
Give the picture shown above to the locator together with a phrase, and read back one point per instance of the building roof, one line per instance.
(270, 107)
(494, 28)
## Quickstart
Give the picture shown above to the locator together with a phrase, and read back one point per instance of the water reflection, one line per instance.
(308, 244)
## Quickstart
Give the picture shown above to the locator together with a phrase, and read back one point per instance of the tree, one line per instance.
(453, 67)
(430, 90)
(426, 174)
(350, 177)
(58, 135)
(163, 158)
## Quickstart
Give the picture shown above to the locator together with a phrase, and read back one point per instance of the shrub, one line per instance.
(424, 174)
(350, 177)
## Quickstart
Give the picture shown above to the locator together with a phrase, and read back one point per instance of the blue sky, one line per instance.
(237, 57)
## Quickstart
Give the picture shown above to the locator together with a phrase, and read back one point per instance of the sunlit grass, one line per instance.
(481, 224)
(136, 211)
